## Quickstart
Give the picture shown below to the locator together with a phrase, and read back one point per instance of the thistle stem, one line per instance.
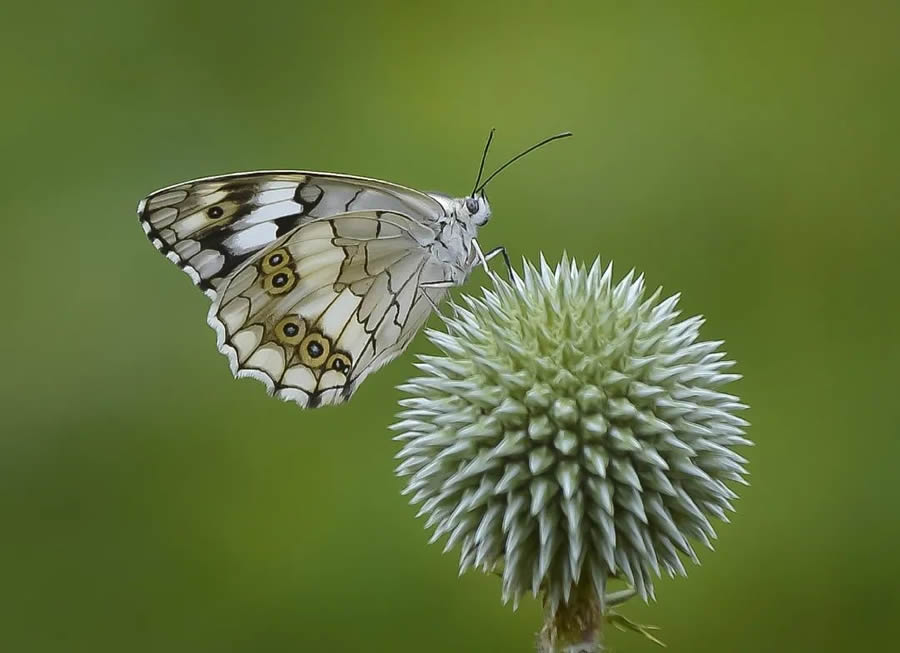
(575, 626)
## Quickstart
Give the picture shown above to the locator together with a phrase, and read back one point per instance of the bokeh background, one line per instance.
(745, 154)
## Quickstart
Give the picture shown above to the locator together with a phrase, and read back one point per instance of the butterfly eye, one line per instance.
(471, 205)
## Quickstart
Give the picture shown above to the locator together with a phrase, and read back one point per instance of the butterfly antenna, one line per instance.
(487, 146)
(519, 156)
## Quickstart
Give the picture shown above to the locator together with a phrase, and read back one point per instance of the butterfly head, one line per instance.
(473, 210)
(476, 209)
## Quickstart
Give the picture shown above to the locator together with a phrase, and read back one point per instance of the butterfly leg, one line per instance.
(484, 258)
(480, 256)
(435, 284)
(501, 250)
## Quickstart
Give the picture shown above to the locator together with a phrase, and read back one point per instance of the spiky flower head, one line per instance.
(572, 431)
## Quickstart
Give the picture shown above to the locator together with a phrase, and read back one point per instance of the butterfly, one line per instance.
(318, 279)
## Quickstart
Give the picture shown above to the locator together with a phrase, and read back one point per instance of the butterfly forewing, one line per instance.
(210, 227)
(327, 303)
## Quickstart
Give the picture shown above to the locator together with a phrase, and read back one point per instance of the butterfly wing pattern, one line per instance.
(328, 303)
(316, 279)
(210, 226)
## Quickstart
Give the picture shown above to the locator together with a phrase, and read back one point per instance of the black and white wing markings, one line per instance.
(313, 314)
(209, 227)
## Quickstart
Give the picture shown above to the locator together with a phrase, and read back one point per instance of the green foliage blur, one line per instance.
(746, 154)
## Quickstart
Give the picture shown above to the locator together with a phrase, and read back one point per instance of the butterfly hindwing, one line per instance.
(210, 227)
(324, 305)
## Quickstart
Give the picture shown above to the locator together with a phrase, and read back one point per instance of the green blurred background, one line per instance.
(743, 153)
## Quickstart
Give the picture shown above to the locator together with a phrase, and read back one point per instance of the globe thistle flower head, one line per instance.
(573, 430)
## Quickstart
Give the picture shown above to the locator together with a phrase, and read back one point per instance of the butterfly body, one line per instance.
(316, 279)
(455, 233)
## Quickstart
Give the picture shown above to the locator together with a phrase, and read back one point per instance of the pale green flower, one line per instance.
(573, 431)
